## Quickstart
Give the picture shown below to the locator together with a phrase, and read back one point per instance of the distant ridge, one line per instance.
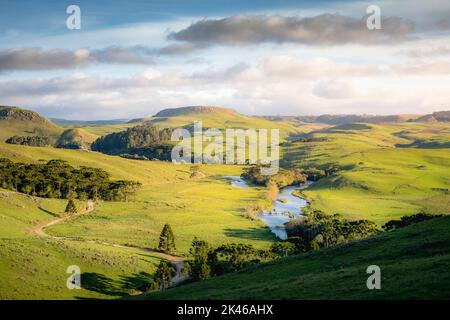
(440, 116)
(174, 112)
(83, 123)
(338, 119)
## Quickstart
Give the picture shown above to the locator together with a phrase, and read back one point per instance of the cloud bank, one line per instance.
(40, 59)
(324, 29)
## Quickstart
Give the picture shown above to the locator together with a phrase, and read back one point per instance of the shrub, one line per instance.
(408, 220)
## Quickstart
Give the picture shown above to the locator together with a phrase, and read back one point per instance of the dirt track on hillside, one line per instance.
(176, 260)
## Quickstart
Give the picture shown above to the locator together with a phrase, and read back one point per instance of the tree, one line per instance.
(166, 239)
(71, 207)
(163, 275)
(199, 267)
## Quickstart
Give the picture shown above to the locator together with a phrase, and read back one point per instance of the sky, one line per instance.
(131, 59)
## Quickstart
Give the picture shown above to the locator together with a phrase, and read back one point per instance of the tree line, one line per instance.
(314, 231)
(409, 220)
(57, 179)
(144, 141)
(317, 230)
(34, 141)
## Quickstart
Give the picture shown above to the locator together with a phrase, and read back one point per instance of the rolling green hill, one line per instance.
(34, 267)
(385, 171)
(414, 263)
(378, 180)
(21, 122)
(214, 117)
(76, 138)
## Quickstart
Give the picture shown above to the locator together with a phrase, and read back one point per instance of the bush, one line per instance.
(34, 141)
(282, 248)
(408, 220)
(282, 179)
(253, 210)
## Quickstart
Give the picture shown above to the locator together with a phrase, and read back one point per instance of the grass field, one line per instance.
(387, 171)
(34, 267)
(378, 180)
(207, 207)
(414, 264)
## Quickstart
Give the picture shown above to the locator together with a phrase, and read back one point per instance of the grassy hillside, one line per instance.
(21, 122)
(34, 267)
(386, 171)
(379, 179)
(76, 138)
(209, 208)
(214, 117)
(414, 264)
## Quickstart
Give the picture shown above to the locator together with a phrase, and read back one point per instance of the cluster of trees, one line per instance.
(286, 177)
(315, 174)
(318, 230)
(282, 179)
(57, 179)
(208, 261)
(34, 141)
(144, 141)
(409, 220)
(313, 231)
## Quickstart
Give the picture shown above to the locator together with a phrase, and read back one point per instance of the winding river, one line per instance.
(286, 207)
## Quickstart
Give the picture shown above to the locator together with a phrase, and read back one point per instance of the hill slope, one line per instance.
(21, 122)
(76, 138)
(213, 117)
(440, 116)
(380, 177)
(414, 264)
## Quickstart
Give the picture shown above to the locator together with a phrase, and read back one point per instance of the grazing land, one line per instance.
(382, 171)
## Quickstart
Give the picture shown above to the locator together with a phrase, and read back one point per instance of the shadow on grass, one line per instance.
(97, 282)
(49, 212)
(250, 234)
(135, 281)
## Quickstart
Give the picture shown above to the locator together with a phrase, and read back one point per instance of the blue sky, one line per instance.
(133, 58)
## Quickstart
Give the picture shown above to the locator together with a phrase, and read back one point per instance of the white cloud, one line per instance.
(274, 85)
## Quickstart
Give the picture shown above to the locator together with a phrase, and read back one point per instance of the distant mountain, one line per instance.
(15, 121)
(440, 116)
(345, 118)
(82, 123)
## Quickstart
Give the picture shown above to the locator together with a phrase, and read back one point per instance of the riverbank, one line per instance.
(286, 207)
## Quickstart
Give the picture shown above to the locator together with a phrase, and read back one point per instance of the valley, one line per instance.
(380, 172)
